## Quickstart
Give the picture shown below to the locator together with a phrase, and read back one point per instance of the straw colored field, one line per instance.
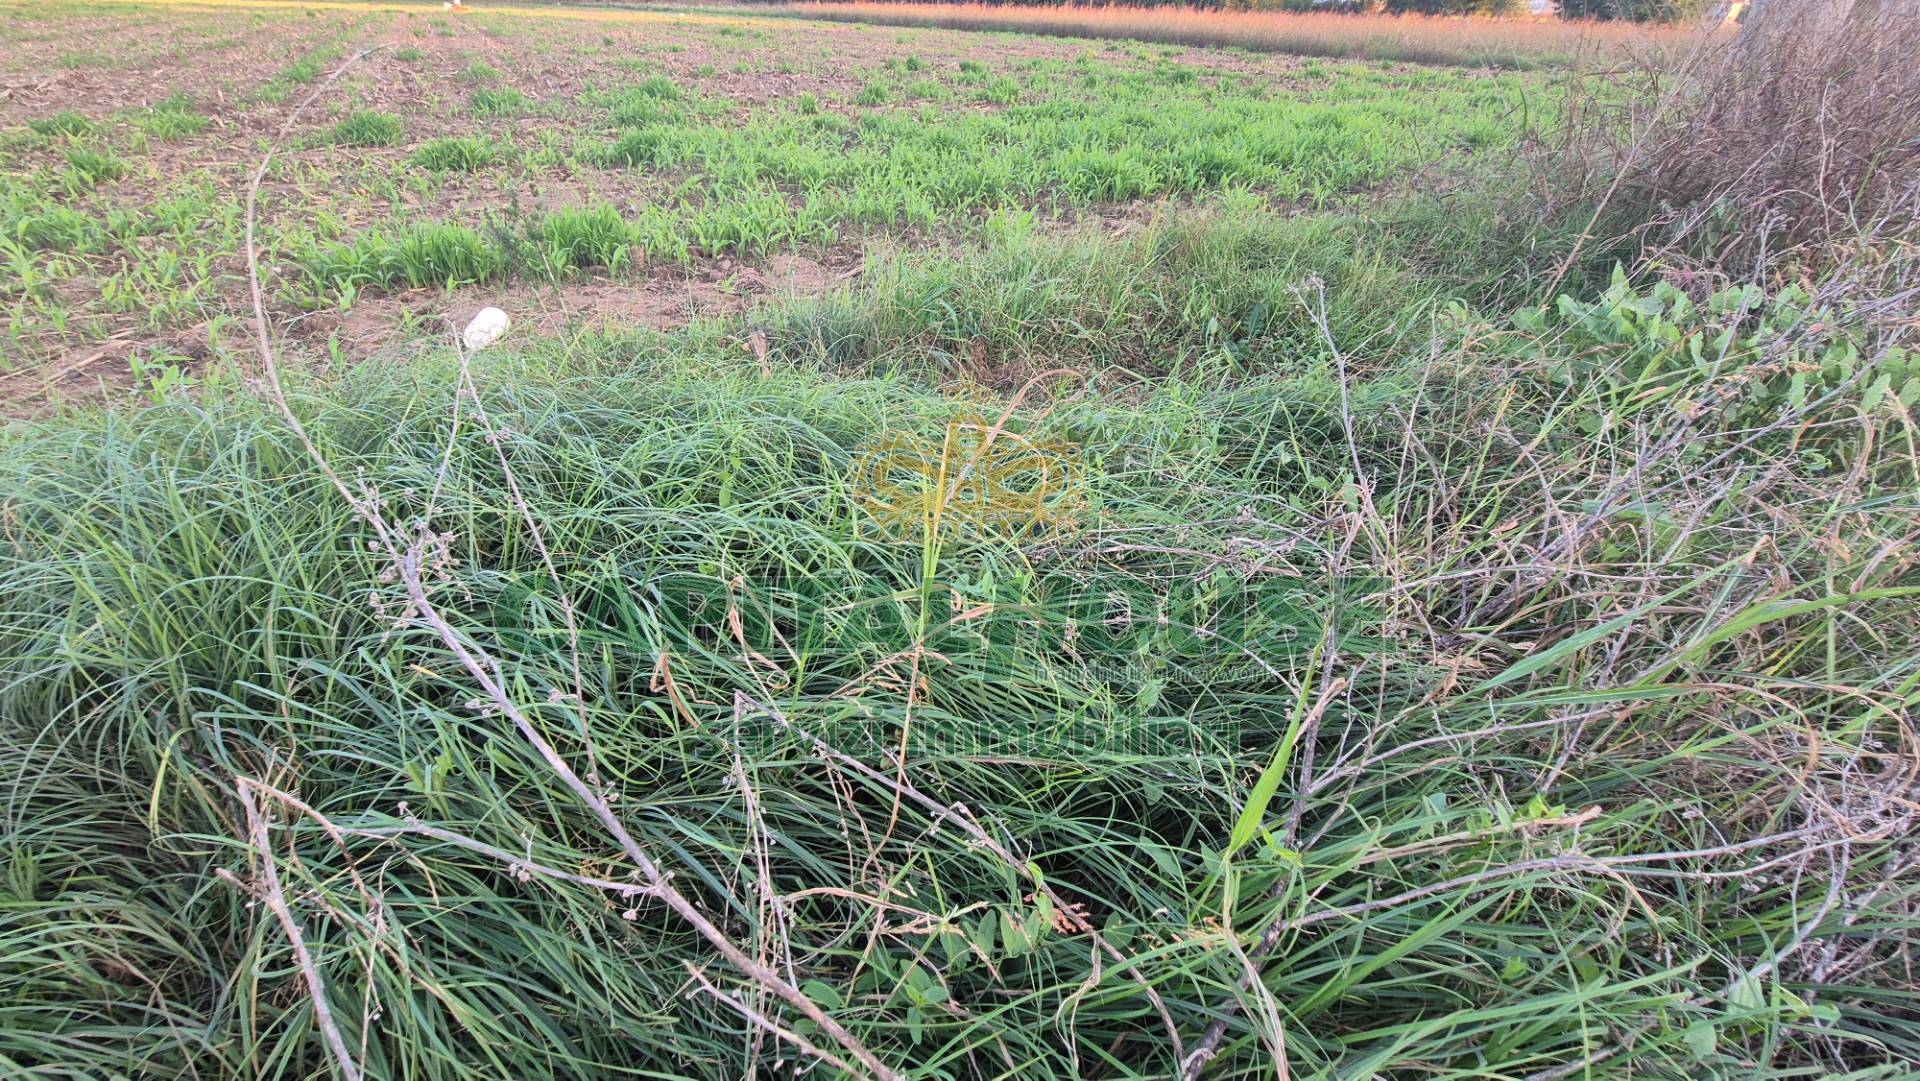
(1525, 43)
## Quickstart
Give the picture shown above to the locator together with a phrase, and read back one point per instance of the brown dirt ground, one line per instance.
(660, 300)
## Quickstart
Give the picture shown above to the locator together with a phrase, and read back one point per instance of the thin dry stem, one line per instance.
(275, 897)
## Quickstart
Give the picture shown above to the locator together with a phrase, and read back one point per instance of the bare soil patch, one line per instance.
(660, 300)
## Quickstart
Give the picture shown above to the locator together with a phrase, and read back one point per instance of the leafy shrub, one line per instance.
(1634, 346)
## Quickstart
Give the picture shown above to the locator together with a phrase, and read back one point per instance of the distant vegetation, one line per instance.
(1579, 10)
(1428, 39)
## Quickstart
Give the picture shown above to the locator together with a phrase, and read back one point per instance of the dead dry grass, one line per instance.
(1805, 127)
(1780, 153)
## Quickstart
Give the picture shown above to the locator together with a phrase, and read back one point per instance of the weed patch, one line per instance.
(62, 123)
(369, 129)
(173, 118)
(461, 154)
(87, 168)
(500, 102)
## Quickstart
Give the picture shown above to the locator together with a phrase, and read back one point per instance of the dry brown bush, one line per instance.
(1807, 124)
(1796, 141)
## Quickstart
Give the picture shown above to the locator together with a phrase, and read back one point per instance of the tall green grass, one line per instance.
(1417, 675)
(1616, 553)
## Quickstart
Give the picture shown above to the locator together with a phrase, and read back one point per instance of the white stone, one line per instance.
(486, 328)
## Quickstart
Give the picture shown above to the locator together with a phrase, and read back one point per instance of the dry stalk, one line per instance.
(271, 892)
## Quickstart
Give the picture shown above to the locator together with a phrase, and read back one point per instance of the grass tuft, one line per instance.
(61, 123)
(500, 101)
(420, 255)
(91, 167)
(458, 154)
(369, 129)
(583, 237)
(172, 118)
(478, 73)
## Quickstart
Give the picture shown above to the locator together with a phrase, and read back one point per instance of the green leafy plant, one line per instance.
(91, 167)
(458, 154)
(161, 376)
(173, 117)
(61, 123)
(1763, 355)
(367, 129)
(500, 101)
